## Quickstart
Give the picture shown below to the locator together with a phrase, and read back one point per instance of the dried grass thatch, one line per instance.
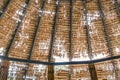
(40, 31)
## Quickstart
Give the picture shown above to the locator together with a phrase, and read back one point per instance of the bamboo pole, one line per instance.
(50, 72)
(93, 72)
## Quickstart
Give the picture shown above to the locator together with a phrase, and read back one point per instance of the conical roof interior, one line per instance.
(68, 34)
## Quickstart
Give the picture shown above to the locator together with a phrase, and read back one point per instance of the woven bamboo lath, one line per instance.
(6, 31)
(97, 35)
(37, 72)
(25, 34)
(113, 24)
(61, 72)
(80, 72)
(79, 33)
(61, 44)
(54, 30)
(42, 44)
(16, 71)
(8, 23)
(105, 70)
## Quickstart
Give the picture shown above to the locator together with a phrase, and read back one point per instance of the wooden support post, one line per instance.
(93, 72)
(4, 70)
(50, 72)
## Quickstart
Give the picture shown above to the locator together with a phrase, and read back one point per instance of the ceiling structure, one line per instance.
(66, 39)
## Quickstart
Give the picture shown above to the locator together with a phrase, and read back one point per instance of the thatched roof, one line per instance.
(68, 34)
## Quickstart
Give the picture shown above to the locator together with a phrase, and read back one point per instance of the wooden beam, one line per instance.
(4, 67)
(93, 72)
(50, 72)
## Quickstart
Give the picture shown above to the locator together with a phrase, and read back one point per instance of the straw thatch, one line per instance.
(52, 31)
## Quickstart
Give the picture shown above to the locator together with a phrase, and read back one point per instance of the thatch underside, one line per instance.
(53, 31)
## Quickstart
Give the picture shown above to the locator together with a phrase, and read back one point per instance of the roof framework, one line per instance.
(87, 31)
(55, 29)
